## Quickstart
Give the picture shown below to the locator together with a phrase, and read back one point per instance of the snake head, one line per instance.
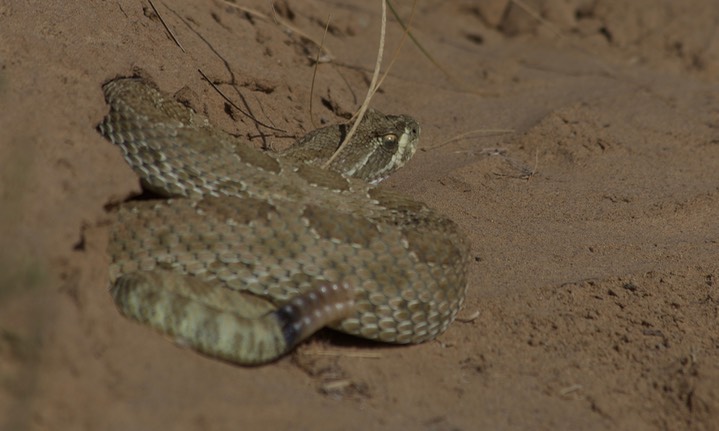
(380, 145)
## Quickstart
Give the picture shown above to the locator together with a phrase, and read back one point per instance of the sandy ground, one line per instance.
(593, 299)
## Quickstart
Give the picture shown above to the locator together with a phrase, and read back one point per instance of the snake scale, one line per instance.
(244, 253)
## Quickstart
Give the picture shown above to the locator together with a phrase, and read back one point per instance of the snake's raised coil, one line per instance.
(245, 253)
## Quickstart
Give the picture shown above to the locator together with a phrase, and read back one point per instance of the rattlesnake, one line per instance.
(246, 253)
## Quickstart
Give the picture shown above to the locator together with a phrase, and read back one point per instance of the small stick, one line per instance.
(471, 318)
(483, 132)
(536, 164)
(346, 354)
(278, 20)
(569, 389)
(558, 32)
(172, 35)
(227, 99)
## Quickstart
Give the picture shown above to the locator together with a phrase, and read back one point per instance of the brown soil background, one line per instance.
(593, 299)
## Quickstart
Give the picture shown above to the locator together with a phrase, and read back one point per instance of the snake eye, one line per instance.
(390, 141)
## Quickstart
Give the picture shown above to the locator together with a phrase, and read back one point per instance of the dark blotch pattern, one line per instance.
(257, 159)
(328, 179)
(331, 224)
(225, 208)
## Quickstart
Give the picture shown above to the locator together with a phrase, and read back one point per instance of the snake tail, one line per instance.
(171, 303)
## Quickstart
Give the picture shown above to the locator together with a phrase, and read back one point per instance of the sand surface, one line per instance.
(593, 297)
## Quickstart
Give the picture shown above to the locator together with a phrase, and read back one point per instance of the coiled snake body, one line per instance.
(250, 252)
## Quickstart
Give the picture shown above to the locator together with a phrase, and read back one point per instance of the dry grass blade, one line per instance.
(370, 91)
(450, 77)
(314, 70)
(426, 53)
(401, 42)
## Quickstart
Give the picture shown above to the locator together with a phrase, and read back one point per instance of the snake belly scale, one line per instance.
(245, 254)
